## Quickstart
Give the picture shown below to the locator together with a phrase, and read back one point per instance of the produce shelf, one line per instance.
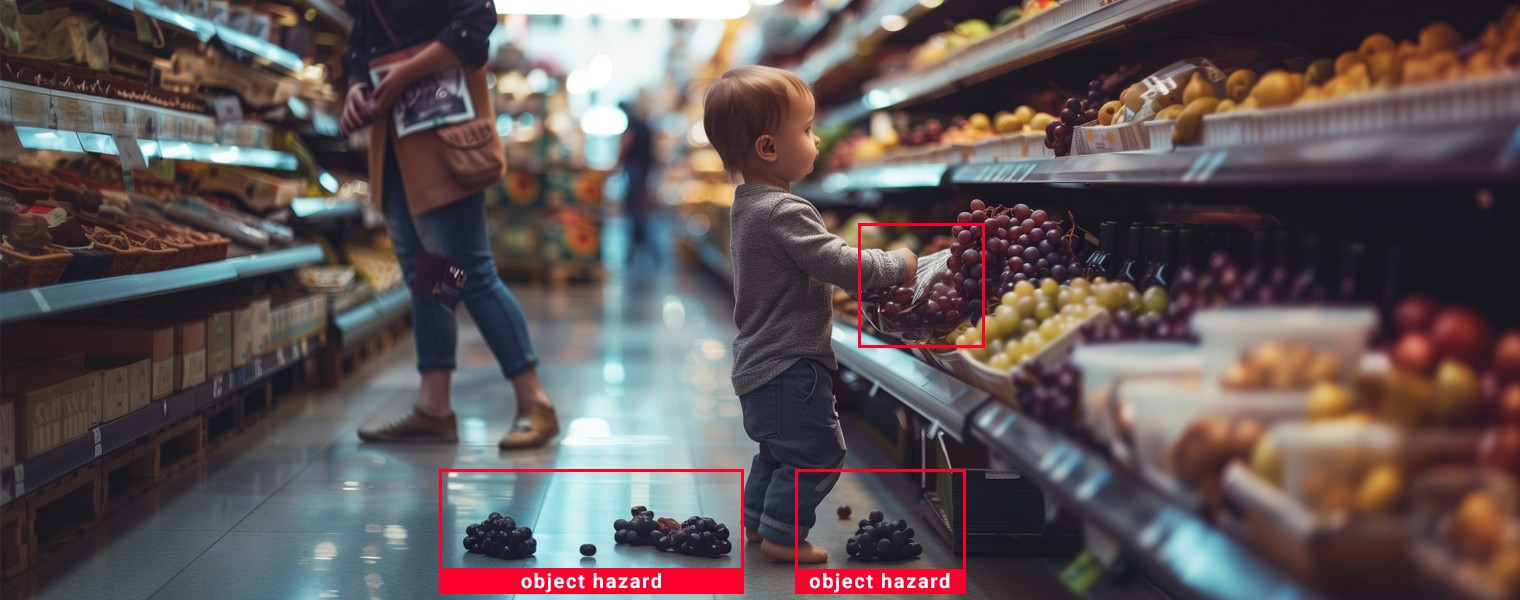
(1006, 51)
(362, 322)
(36, 138)
(37, 471)
(1478, 153)
(939, 397)
(1176, 548)
(710, 257)
(20, 305)
(865, 30)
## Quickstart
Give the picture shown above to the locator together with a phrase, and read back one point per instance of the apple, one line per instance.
(1414, 354)
(1507, 357)
(1500, 449)
(1463, 334)
(1415, 313)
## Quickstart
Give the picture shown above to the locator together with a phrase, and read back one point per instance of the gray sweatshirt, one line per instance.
(784, 263)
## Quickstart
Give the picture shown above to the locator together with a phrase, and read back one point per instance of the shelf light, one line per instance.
(894, 23)
(931, 3)
(629, 9)
(36, 138)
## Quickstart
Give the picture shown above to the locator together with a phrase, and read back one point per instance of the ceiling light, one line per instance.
(629, 9)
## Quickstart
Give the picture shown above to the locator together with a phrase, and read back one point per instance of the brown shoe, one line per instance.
(532, 429)
(414, 426)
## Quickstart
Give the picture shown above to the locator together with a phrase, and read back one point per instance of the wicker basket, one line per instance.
(128, 255)
(19, 270)
(157, 256)
(90, 262)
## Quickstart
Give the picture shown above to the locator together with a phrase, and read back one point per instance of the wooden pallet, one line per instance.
(180, 447)
(224, 421)
(254, 404)
(336, 364)
(127, 473)
(15, 539)
(63, 509)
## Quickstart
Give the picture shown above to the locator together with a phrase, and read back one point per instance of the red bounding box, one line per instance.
(904, 577)
(860, 284)
(593, 581)
(548, 579)
(881, 581)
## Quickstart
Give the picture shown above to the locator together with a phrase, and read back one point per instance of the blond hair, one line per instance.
(744, 104)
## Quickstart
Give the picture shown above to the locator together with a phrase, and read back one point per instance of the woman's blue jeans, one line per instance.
(458, 231)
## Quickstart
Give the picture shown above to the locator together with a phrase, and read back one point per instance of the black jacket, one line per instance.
(462, 25)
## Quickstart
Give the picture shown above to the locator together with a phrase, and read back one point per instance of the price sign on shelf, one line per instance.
(131, 154)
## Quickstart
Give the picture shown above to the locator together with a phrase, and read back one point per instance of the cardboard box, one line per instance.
(218, 343)
(250, 326)
(126, 384)
(189, 341)
(295, 318)
(7, 433)
(242, 335)
(56, 402)
(154, 342)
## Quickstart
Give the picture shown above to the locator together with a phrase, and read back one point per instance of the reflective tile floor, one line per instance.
(638, 366)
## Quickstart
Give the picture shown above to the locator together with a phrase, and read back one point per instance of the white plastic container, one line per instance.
(1318, 455)
(1227, 333)
(1104, 366)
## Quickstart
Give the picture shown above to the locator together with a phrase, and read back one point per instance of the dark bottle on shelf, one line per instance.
(1162, 269)
(1106, 261)
(1189, 248)
(1134, 267)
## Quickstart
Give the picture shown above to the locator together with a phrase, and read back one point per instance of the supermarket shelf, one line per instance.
(1003, 53)
(20, 305)
(938, 396)
(261, 51)
(330, 11)
(1478, 153)
(710, 257)
(35, 472)
(362, 322)
(59, 140)
(1176, 548)
(315, 210)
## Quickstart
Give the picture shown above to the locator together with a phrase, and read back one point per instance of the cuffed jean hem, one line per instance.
(781, 533)
(435, 365)
(522, 366)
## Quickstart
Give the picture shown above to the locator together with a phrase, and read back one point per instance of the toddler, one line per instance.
(760, 121)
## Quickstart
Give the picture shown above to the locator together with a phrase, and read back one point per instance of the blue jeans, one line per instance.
(457, 231)
(793, 419)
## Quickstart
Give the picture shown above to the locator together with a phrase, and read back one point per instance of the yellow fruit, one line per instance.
(1238, 86)
(980, 122)
(1169, 112)
(1438, 36)
(1106, 114)
(1418, 71)
(1328, 401)
(1299, 84)
(1504, 572)
(1376, 43)
(1189, 128)
(1386, 68)
(1132, 97)
(1490, 38)
(1040, 121)
(1248, 104)
(1225, 106)
(1197, 87)
(1024, 113)
(1481, 63)
(1008, 123)
(1358, 79)
(1477, 525)
(1319, 72)
(1456, 393)
(1445, 63)
(1346, 60)
(1267, 461)
(1407, 401)
(1275, 89)
(1408, 50)
(1169, 98)
(1380, 491)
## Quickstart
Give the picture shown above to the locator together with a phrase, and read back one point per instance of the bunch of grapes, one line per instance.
(1058, 134)
(641, 529)
(880, 540)
(928, 132)
(500, 537)
(933, 316)
(698, 536)
(1023, 244)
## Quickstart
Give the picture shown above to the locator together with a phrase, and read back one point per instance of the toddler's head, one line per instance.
(760, 120)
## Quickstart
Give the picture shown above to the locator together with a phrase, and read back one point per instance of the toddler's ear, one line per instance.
(765, 148)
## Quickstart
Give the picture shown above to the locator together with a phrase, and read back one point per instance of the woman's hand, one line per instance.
(356, 109)
(391, 84)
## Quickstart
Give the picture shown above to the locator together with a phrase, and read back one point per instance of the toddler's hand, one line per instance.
(912, 261)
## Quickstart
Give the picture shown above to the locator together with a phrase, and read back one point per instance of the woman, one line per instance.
(430, 211)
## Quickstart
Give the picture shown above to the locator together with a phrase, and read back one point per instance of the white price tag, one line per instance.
(5, 105)
(216, 386)
(97, 450)
(131, 154)
(228, 109)
(279, 356)
(258, 369)
(96, 431)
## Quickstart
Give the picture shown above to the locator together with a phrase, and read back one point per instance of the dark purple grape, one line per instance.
(903, 295)
(964, 237)
(1016, 263)
(976, 232)
(1219, 261)
(1072, 104)
(1026, 240)
(1016, 250)
(1021, 276)
(1094, 97)
(1095, 86)
(1038, 235)
(1021, 211)
(1058, 272)
(1042, 265)
(954, 262)
(1061, 130)
(890, 310)
(964, 217)
(1004, 221)
(1002, 232)
(971, 257)
(932, 308)
(1027, 225)
(978, 216)
(978, 205)
(1039, 217)
(1029, 270)
(1031, 254)
(1045, 247)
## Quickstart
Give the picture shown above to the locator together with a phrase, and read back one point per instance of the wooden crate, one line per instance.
(15, 539)
(255, 404)
(180, 447)
(127, 473)
(63, 509)
(223, 421)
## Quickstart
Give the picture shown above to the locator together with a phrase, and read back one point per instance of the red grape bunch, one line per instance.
(898, 312)
(499, 537)
(1058, 134)
(1022, 244)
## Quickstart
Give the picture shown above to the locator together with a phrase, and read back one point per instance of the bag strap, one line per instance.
(375, 8)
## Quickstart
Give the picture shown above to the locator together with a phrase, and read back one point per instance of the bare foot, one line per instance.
(806, 553)
(753, 536)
